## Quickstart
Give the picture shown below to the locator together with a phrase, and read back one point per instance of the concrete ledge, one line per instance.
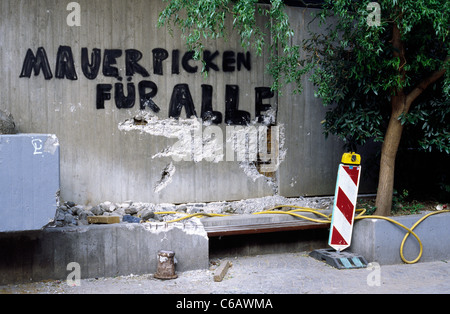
(257, 219)
(100, 250)
(379, 240)
(261, 223)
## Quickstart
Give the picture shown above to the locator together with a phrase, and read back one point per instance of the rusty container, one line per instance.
(166, 265)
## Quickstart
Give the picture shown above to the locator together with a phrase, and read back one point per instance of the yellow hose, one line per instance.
(410, 231)
(189, 215)
(327, 219)
(360, 216)
(292, 214)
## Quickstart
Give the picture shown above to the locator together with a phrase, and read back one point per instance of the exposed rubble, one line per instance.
(71, 214)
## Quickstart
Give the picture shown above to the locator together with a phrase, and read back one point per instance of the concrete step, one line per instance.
(100, 250)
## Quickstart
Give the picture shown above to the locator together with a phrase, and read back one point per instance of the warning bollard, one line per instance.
(345, 202)
(343, 216)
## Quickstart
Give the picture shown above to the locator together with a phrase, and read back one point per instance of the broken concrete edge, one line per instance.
(7, 124)
(108, 250)
(379, 240)
(104, 250)
(69, 213)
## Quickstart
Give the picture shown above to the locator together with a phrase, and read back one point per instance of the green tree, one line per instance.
(378, 79)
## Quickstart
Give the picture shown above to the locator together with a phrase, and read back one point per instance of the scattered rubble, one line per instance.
(72, 214)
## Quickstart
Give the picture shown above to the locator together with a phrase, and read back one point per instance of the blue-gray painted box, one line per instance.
(29, 180)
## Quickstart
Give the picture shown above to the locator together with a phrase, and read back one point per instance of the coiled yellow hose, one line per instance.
(326, 219)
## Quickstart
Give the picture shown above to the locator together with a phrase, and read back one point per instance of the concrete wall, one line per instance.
(380, 240)
(105, 154)
(100, 250)
(311, 164)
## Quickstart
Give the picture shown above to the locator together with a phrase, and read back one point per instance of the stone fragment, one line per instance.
(78, 209)
(131, 219)
(131, 210)
(104, 219)
(147, 214)
(97, 210)
(69, 204)
(60, 214)
(221, 271)
(69, 219)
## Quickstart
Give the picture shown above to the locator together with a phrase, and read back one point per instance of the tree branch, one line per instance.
(425, 83)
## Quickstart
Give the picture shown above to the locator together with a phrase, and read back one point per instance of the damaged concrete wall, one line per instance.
(107, 88)
(100, 250)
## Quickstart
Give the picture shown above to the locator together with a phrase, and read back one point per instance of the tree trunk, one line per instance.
(393, 134)
(389, 150)
(400, 104)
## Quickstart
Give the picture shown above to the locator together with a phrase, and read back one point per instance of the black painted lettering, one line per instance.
(244, 60)
(232, 114)
(146, 98)
(208, 115)
(228, 61)
(132, 56)
(176, 61)
(159, 55)
(109, 59)
(260, 94)
(185, 62)
(181, 97)
(103, 94)
(208, 60)
(36, 63)
(122, 101)
(65, 67)
(90, 68)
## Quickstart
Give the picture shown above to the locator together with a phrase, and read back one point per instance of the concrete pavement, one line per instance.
(288, 273)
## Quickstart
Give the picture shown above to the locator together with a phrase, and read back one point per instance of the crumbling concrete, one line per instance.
(7, 125)
(69, 213)
(100, 250)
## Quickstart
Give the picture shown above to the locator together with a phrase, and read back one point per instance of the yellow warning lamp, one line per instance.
(351, 159)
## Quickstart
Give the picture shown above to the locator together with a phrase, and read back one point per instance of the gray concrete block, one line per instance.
(29, 180)
(100, 250)
(379, 240)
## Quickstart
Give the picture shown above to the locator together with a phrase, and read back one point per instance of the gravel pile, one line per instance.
(71, 214)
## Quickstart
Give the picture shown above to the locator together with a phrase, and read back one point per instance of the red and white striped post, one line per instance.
(345, 202)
